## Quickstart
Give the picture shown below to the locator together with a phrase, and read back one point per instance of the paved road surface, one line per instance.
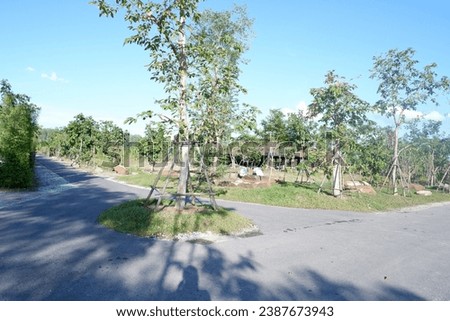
(51, 248)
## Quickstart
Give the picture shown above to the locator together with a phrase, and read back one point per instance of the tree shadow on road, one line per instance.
(188, 289)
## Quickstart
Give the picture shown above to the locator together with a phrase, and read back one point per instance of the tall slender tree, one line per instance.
(161, 29)
(221, 39)
(403, 87)
(194, 59)
(339, 108)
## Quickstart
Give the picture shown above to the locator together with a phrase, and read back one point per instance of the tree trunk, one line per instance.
(182, 199)
(337, 179)
(183, 126)
(432, 170)
(233, 160)
(337, 183)
(216, 153)
(395, 165)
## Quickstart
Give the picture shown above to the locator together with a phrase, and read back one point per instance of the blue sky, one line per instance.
(68, 60)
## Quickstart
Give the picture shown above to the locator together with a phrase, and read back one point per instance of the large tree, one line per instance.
(274, 127)
(161, 29)
(82, 138)
(403, 87)
(220, 40)
(181, 49)
(110, 141)
(339, 109)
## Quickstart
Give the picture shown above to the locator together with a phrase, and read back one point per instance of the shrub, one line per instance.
(18, 129)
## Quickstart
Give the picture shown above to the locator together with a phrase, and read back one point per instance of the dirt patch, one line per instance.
(247, 182)
(207, 238)
(416, 187)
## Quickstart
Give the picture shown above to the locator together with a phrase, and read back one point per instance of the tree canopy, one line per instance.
(339, 110)
(404, 86)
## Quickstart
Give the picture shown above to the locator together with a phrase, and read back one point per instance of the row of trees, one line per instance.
(403, 86)
(18, 129)
(367, 149)
(86, 141)
(83, 140)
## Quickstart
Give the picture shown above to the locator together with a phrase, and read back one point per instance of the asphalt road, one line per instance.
(51, 248)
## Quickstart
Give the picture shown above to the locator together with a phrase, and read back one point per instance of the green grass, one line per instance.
(147, 179)
(306, 196)
(134, 218)
(140, 178)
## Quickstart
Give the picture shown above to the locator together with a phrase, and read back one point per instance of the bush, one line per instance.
(16, 171)
(18, 123)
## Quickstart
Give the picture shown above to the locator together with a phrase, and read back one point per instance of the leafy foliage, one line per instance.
(82, 133)
(370, 153)
(110, 141)
(426, 151)
(338, 106)
(84, 138)
(220, 40)
(18, 124)
(342, 113)
(403, 87)
(274, 127)
(194, 58)
(155, 144)
(160, 28)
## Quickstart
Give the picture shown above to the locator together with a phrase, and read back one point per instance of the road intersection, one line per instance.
(52, 248)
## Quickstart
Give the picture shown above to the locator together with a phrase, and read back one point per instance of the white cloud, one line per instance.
(413, 114)
(30, 69)
(52, 77)
(301, 107)
(287, 111)
(435, 115)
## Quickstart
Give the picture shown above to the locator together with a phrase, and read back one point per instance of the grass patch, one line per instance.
(140, 179)
(306, 196)
(147, 179)
(135, 218)
(289, 194)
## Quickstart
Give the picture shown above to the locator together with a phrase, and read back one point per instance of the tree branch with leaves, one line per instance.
(338, 109)
(403, 87)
